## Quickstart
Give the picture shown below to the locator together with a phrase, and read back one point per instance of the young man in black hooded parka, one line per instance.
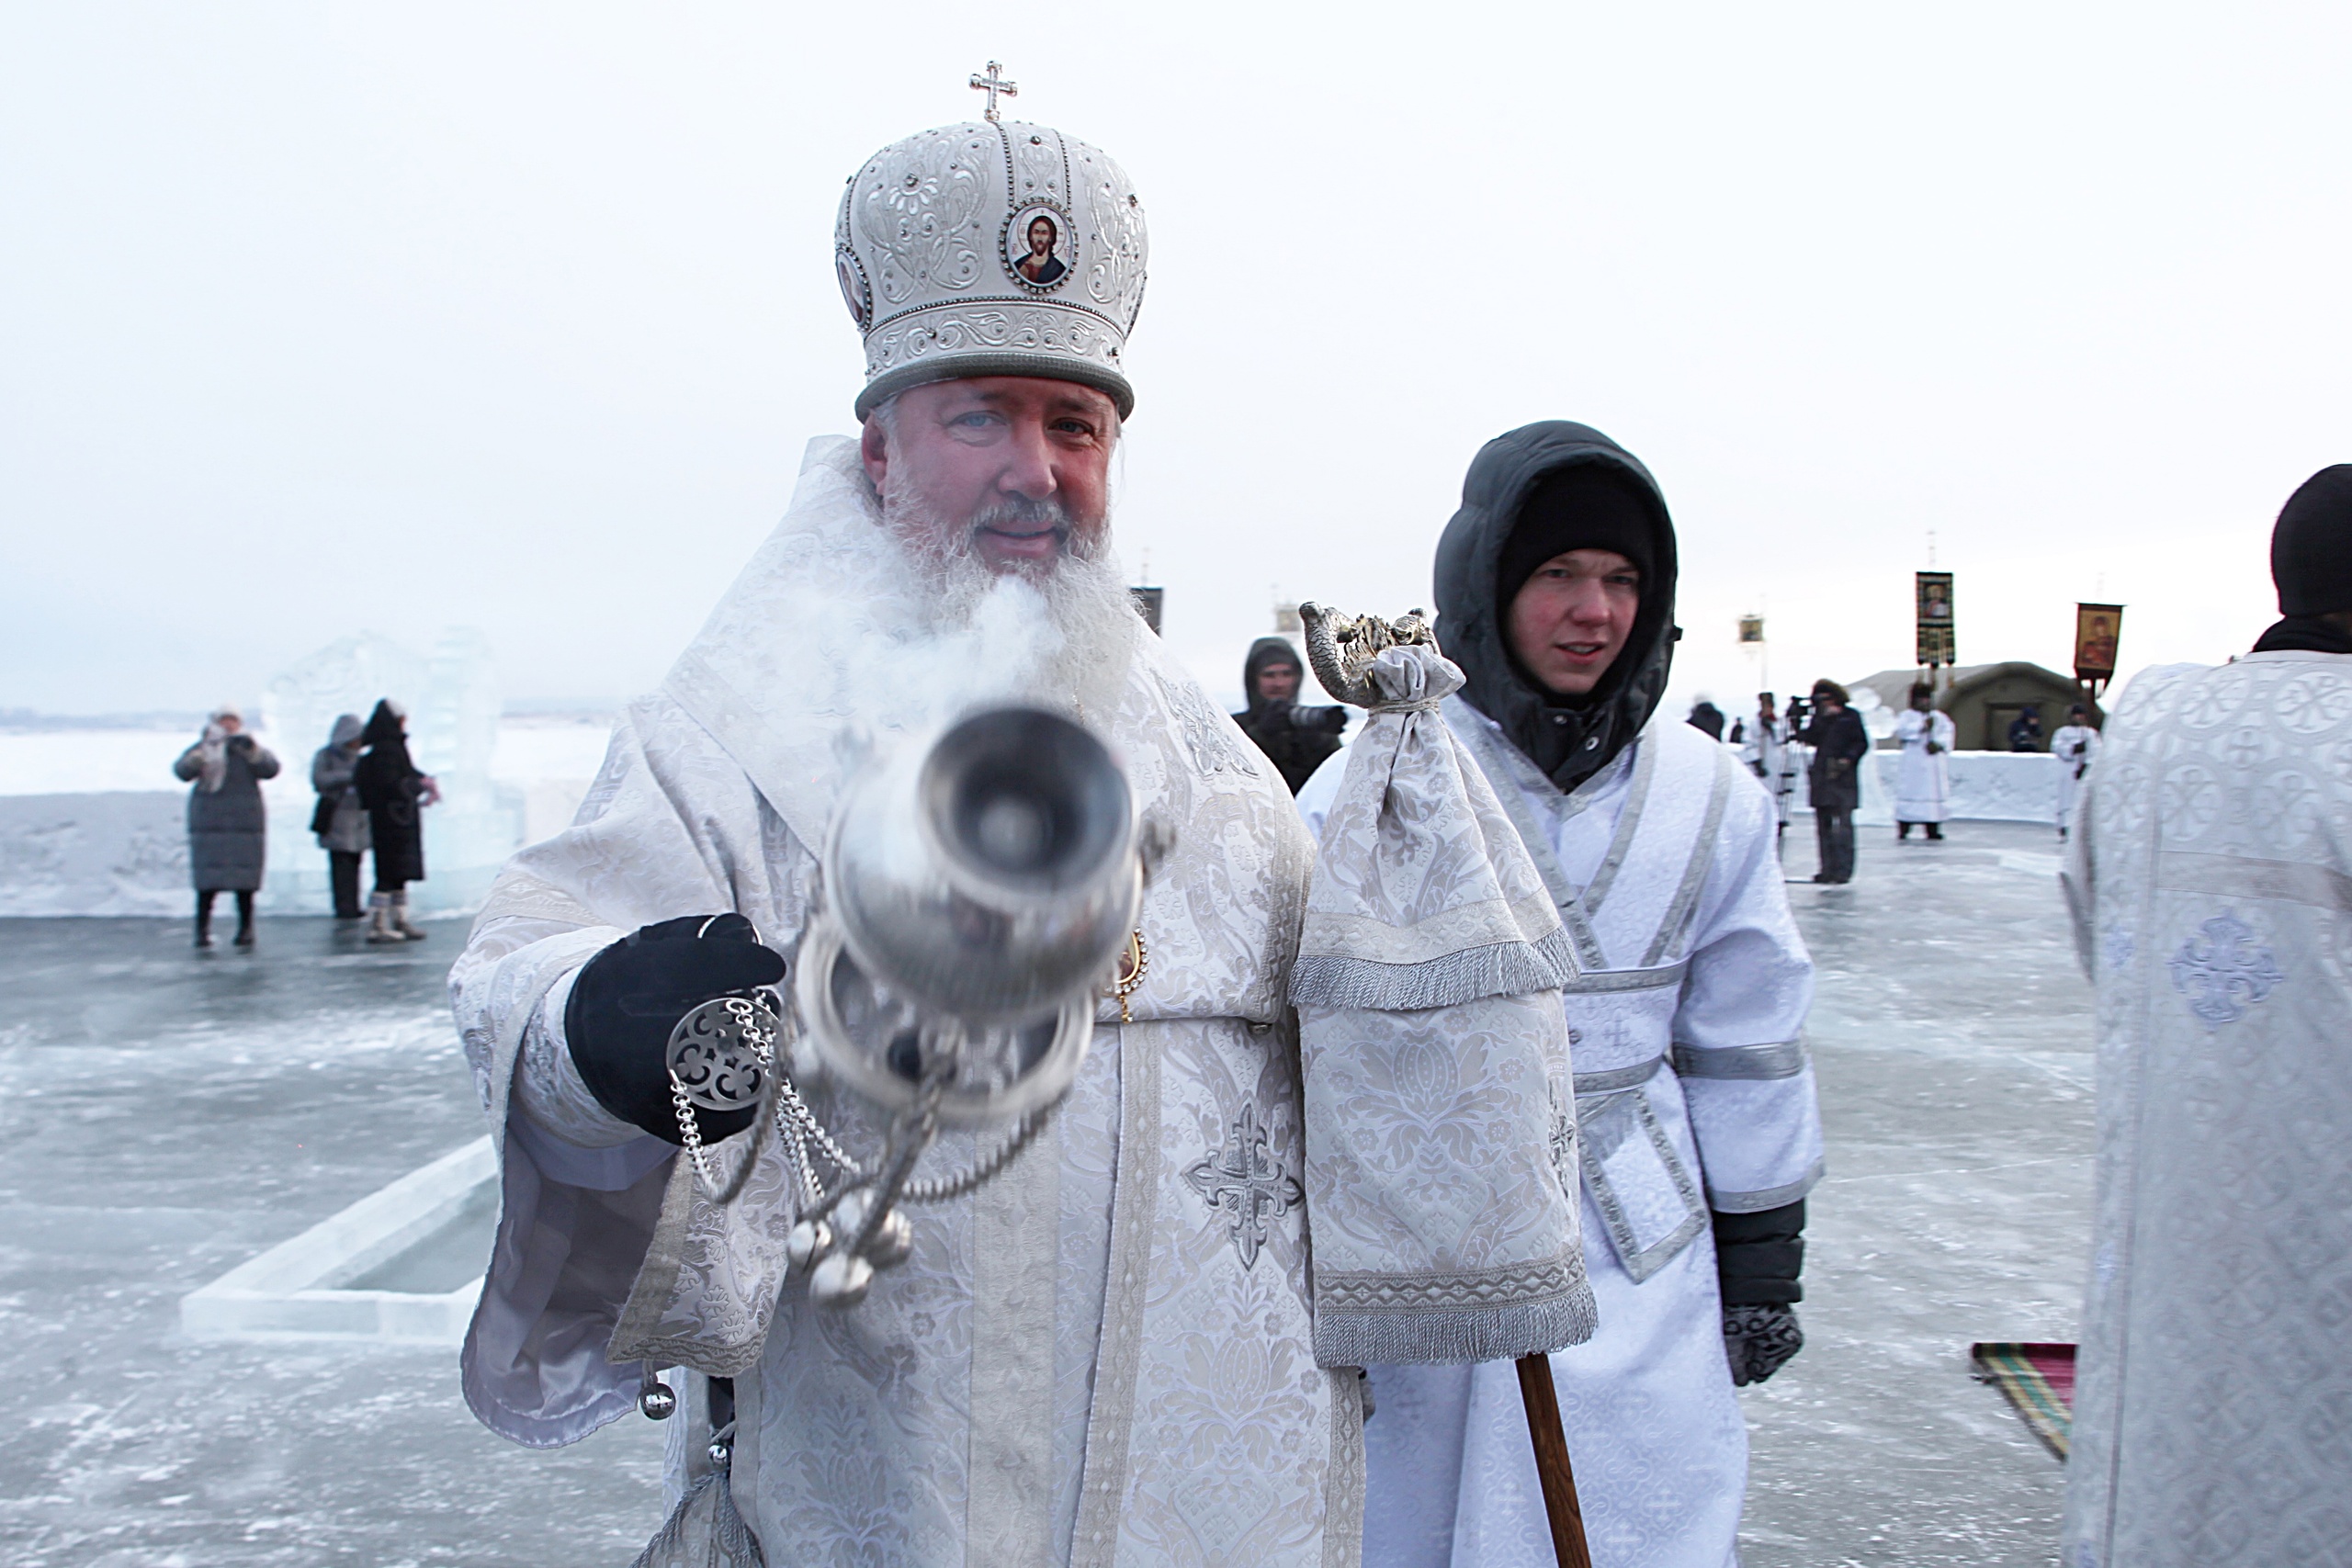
(1699, 1135)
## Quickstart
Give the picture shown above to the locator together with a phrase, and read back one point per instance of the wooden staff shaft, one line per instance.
(1543, 1401)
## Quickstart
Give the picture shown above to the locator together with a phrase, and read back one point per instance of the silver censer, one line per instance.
(977, 893)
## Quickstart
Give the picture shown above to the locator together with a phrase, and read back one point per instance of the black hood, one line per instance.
(1264, 651)
(1569, 738)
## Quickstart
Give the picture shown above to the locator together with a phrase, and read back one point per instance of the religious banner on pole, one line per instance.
(2097, 627)
(1751, 628)
(1936, 645)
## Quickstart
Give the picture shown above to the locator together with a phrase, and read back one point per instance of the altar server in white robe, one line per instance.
(1103, 1356)
(1770, 758)
(1700, 1134)
(2210, 884)
(1923, 784)
(2076, 745)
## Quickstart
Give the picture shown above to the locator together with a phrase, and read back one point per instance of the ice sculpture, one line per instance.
(453, 705)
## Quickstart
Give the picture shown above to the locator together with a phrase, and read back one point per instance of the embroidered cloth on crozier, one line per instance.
(1441, 1141)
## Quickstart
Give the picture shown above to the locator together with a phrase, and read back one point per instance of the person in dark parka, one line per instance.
(395, 793)
(1839, 743)
(1295, 738)
(228, 825)
(341, 822)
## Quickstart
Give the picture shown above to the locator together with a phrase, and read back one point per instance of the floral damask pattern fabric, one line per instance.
(2211, 891)
(1439, 1152)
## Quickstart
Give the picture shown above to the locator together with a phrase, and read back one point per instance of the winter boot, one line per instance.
(401, 923)
(203, 920)
(380, 919)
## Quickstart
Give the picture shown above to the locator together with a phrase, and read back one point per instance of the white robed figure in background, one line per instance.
(2076, 745)
(1923, 783)
(1697, 1121)
(1770, 758)
(2211, 886)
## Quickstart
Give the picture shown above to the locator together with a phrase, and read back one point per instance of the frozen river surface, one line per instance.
(168, 1115)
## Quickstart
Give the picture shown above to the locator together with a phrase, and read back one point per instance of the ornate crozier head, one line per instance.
(991, 248)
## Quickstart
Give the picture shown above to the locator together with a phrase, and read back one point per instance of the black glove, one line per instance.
(1757, 1260)
(631, 995)
(1760, 1340)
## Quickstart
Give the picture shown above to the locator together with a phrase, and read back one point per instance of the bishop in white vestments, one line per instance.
(2210, 884)
(1698, 1128)
(1104, 1355)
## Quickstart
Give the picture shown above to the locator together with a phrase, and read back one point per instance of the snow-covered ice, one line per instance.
(169, 1115)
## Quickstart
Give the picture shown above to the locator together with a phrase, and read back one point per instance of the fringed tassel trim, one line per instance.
(1504, 969)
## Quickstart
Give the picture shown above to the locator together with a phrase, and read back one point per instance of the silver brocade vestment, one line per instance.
(2210, 882)
(1102, 1357)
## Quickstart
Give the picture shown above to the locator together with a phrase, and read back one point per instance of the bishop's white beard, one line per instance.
(1060, 636)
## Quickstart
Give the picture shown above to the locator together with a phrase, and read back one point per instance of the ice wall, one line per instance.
(451, 696)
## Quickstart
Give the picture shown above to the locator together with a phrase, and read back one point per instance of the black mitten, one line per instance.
(1759, 1256)
(1760, 1340)
(1757, 1260)
(630, 996)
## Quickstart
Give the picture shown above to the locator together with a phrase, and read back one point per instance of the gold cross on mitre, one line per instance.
(993, 83)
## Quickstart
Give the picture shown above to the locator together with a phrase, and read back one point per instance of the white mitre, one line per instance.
(991, 248)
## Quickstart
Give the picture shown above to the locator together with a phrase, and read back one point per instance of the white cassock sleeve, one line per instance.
(1737, 1034)
(671, 827)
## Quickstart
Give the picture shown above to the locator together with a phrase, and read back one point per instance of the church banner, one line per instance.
(2097, 627)
(1936, 645)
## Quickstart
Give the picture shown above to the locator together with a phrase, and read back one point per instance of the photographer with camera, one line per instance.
(1839, 743)
(226, 824)
(1293, 737)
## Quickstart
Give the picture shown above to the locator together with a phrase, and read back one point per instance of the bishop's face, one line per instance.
(1569, 621)
(1014, 469)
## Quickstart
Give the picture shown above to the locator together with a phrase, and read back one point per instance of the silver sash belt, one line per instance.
(1597, 981)
(1610, 1080)
(1781, 1059)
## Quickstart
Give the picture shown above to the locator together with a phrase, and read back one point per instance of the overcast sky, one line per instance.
(323, 317)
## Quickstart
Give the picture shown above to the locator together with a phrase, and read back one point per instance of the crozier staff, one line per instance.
(1694, 1096)
(1090, 1356)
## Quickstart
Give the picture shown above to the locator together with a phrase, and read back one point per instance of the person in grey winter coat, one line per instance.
(341, 822)
(226, 824)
